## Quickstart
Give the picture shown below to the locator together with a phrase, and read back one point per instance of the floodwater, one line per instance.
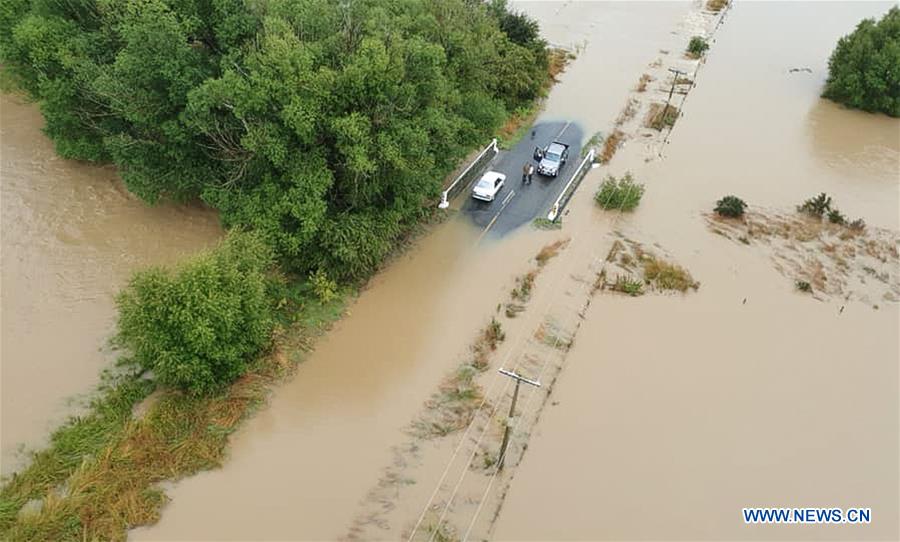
(71, 236)
(675, 412)
(300, 468)
(613, 42)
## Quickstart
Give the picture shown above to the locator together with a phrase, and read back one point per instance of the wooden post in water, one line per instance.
(671, 90)
(512, 410)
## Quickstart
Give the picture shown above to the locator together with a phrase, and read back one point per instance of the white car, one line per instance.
(488, 186)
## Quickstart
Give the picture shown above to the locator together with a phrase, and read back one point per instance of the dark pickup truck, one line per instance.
(552, 158)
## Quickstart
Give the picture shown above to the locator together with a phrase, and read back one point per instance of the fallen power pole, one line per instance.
(512, 409)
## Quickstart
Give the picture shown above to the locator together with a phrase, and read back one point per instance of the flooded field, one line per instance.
(71, 236)
(671, 412)
(676, 411)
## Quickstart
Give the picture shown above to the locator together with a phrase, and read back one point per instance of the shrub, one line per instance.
(325, 288)
(197, 326)
(731, 207)
(623, 194)
(836, 217)
(803, 286)
(697, 46)
(816, 206)
(858, 225)
(494, 334)
(863, 70)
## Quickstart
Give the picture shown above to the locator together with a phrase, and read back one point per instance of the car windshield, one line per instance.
(485, 183)
(552, 156)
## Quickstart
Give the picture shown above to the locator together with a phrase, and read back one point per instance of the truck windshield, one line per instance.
(552, 156)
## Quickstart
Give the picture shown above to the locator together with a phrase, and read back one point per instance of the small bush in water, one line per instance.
(697, 46)
(816, 206)
(836, 217)
(198, 325)
(623, 194)
(731, 207)
(858, 225)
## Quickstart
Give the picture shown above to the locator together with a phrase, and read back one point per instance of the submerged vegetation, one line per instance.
(821, 252)
(697, 46)
(821, 206)
(664, 275)
(730, 207)
(611, 145)
(863, 69)
(816, 206)
(636, 268)
(622, 194)
(661, 116)
(716, 5)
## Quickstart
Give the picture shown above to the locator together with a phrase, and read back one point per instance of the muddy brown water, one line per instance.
(675, 412)
(71, 236)
(301, 467)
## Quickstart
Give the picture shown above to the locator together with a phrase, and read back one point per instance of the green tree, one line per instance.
(326, 126)
(197, 326)
(864, 69)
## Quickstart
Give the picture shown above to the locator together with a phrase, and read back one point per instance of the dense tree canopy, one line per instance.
(864, 69)
(325, 125)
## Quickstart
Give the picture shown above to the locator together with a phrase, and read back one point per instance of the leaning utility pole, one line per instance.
(512, 410)
(672, 90)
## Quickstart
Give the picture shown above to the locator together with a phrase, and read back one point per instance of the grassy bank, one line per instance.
(98, 476)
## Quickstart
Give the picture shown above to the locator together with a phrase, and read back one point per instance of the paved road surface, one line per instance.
(519, 204)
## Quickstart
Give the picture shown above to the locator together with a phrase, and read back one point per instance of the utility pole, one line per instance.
(512, 409)
(672, 90)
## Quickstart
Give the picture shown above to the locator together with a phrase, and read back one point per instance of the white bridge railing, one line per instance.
(570, 187)
(463, 179)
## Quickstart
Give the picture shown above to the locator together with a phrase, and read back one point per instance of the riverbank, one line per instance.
(70, 236)
(100, 473)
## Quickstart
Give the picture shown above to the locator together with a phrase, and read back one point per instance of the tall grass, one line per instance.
(611, 145)
(667, 276)
(660, 116)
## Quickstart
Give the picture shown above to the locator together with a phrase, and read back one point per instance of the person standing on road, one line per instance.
(526, 169)
(530, 172)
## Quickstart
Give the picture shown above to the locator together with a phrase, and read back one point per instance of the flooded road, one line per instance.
(71, 236)
(674, 412)
(300, 468)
